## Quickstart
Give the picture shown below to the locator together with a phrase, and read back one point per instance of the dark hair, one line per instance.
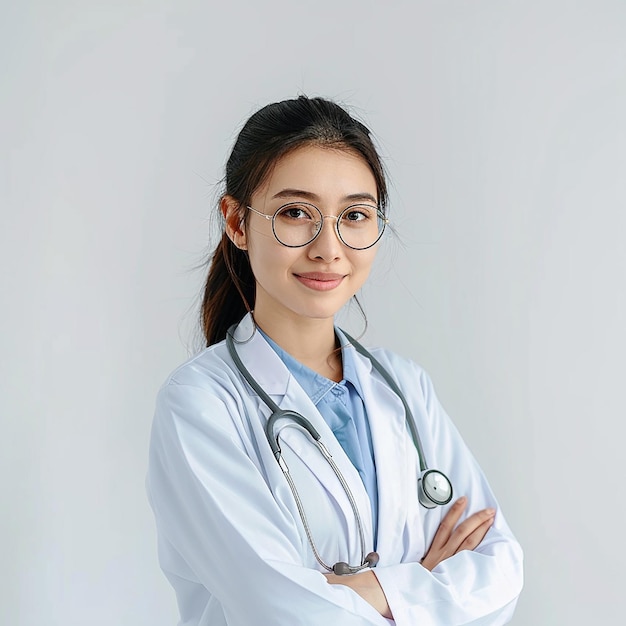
(268, 135)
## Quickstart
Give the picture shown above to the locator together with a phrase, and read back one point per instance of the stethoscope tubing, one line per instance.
(299, 421)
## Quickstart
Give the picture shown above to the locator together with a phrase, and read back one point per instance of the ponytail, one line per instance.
(229, 291)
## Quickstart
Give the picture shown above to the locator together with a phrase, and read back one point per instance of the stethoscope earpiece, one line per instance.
(343, 569)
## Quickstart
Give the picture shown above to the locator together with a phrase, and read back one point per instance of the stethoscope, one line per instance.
(433, 487)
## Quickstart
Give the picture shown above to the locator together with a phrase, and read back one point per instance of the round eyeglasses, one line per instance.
(297, 224)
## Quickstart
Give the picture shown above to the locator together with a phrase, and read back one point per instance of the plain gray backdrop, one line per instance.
(502, 126)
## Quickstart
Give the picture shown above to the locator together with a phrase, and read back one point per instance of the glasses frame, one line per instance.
(337, 218)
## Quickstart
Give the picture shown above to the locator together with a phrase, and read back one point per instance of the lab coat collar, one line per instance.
(260, 359)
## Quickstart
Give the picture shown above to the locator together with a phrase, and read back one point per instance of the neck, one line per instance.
(310, 341)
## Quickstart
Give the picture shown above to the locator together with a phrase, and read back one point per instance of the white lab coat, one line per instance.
(231, 541)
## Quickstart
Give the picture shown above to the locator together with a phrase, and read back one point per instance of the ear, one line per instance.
(234, 218)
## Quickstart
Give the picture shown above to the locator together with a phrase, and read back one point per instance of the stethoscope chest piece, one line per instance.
(434, 489)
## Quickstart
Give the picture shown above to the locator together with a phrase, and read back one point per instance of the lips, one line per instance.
(320, 281)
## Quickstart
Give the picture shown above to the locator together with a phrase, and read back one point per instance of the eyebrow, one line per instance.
(309, 195)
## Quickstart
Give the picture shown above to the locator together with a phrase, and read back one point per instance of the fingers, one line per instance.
(450, 538)
(475, 525)
(474, 539)
(448, 523)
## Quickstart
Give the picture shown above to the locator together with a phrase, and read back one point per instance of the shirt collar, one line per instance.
(315, 385)
(348, 354)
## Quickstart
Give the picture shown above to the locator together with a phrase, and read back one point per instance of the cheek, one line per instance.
(269, 261)
(363, 264)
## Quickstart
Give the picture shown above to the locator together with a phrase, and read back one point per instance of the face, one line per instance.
(316, 280)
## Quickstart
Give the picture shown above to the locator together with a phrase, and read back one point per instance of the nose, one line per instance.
(327, 245)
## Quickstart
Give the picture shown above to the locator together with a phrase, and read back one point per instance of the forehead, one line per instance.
(329, 173)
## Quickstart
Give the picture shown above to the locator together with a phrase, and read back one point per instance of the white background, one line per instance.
(502, 125)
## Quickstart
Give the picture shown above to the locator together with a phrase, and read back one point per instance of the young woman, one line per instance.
(295, 477)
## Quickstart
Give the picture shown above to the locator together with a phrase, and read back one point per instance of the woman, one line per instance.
(341, 537)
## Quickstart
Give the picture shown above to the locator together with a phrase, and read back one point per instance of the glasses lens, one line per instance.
(297, 223)
(361, 226)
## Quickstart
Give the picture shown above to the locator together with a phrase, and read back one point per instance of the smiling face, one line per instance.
(314, 281)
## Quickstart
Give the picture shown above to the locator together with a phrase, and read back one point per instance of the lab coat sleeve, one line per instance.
(214, 508)
(477, 587)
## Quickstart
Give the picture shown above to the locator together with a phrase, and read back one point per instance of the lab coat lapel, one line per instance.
(260, 359)
(386, 417)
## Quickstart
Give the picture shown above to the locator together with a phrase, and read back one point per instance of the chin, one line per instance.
(319, 313)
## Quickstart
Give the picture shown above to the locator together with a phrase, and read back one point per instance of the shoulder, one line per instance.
(204, 385)
(409, 375)
(202, 369)
(396, 362)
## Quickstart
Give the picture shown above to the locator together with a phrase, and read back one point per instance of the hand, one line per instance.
(466, 536)
(367, 586)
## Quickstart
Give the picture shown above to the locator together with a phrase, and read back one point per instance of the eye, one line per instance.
(356, 214)
(295, 213)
